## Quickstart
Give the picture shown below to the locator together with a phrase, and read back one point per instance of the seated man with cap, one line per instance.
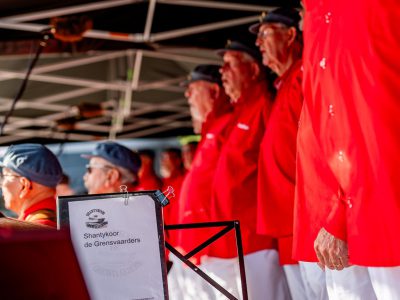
(110, 166)
(29, 178)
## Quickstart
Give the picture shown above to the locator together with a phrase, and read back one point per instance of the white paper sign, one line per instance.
(118, 247)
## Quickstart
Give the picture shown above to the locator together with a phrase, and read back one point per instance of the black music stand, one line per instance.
(227, 227)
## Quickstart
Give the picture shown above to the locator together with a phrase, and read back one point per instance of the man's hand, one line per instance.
(331, 251)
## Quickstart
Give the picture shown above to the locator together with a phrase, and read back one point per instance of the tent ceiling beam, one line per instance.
(69, 10)
(202, 28)
(149, 131)
(218, 5)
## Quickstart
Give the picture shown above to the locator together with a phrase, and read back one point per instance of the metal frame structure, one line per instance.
(227, 226)
(115, 123)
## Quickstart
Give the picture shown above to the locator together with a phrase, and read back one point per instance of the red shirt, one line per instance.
(351, 90)
(277, 162)
(47, 206)
(195, 196)
(234, 195)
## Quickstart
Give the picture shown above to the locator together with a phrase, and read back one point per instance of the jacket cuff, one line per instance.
(336, 222)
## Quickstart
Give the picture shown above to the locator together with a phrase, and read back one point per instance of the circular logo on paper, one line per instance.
(96, 219)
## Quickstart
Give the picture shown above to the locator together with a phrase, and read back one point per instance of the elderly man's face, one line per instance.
(11, 186)
(200, 99)
(273, 41)
(95, 178)
(236, 74)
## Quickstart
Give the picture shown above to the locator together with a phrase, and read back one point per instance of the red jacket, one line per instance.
(277, 162)
(351, 78)
(316, 190)
(43, 212)
(235, 183)
(195, 197)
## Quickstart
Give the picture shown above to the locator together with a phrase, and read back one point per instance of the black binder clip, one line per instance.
(124, 189)
(163, 197)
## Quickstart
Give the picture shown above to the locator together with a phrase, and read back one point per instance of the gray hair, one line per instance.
(127, 177)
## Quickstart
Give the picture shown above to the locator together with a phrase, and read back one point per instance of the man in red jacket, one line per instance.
(171, 167)
(280, 42)
(206, 95)
(30, 175)
(351, 114)
(234, 194)
(204, 91)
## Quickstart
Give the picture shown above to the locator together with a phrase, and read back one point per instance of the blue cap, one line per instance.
(208, 73)
(35, 162)
(241, 47)
(118, 155)
(285, 15)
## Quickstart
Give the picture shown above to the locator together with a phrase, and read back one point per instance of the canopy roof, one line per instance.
(120, 81)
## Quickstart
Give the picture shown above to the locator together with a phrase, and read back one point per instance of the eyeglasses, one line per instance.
(3, 176)
(269, 31)
(90, 168)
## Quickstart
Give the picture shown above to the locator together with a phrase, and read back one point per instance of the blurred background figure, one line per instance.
(148, 179)
(173, 173)
(171, 165)
(63, 188)
(110, 166)
(188, 153)
(29, 178)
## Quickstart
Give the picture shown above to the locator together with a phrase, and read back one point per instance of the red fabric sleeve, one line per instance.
(336, 222)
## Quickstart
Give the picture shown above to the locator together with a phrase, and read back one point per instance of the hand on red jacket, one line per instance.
(331, 251)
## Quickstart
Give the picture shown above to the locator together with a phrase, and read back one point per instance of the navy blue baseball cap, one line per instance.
(209, 73)
(241, 47)
(285, 15)
(35, 162)
(118, 155)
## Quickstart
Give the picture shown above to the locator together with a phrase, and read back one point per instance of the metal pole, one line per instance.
(241, 260)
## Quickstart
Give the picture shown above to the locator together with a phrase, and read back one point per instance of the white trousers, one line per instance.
(351, 283)
(295, 282)
(176, 279)
(185, 284)
(386, 282)
(265, 277)
(314, 281)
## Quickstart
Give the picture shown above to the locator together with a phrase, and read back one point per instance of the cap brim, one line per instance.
(254, 28)
(221, 52)
(87, 156)
(184, 83)
(2, 165)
